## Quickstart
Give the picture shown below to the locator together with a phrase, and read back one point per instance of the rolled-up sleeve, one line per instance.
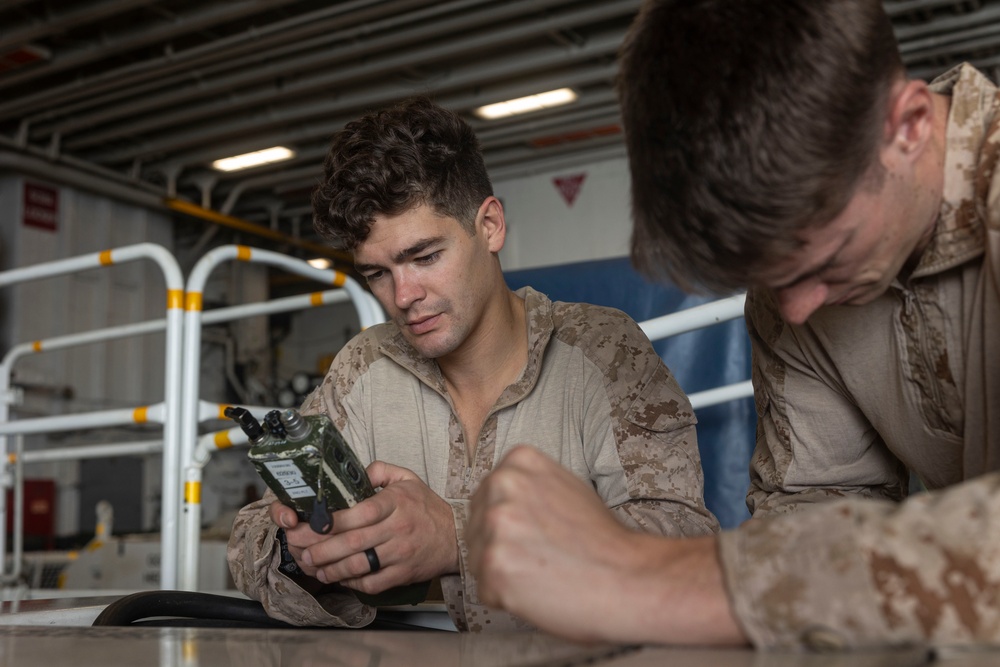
(859, 573)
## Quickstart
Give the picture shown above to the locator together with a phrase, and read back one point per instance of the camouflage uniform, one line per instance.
(594, 395)
(856, 397)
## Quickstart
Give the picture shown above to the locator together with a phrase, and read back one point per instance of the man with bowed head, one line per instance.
(464, 371)
(778, 145)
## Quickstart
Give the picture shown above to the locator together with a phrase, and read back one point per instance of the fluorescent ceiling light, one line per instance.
(247, 160)
(320, 263)
(553, 98)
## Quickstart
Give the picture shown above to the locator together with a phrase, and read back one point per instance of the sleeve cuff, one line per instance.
(801, 580)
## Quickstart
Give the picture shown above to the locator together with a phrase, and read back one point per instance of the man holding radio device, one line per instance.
(465, 371)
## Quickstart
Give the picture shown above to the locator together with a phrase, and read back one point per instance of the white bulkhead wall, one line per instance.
(544, 229)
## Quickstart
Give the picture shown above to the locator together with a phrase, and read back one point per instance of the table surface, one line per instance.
(57, 632)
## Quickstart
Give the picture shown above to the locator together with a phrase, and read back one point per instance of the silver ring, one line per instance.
(373, 562)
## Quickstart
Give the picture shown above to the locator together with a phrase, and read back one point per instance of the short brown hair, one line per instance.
(389, 161)
(748, 121)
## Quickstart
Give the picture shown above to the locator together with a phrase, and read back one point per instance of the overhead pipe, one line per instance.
(206, 17)
(139, 77)
(187, 208)
(117, 186)
(56, 22)
(247, 71)
(604, 44)
(326, 76)
(372, 70)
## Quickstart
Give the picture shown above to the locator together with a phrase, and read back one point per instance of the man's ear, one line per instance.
(494, 225)
(910, 123)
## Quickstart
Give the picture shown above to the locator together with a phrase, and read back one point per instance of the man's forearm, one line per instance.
(545, 548)
(677, 594)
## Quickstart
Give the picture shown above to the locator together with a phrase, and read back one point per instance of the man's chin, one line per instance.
(428, 347)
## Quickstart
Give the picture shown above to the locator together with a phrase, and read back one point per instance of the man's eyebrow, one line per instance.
(826, 265)
(401, 256)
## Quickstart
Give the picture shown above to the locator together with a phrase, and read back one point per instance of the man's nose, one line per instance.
(407, 290)
(798, 302)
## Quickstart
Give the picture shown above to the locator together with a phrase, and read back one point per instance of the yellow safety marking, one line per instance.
(339, 278)
(222, 411)
(12, 458)
(189, 651)
(37, 346)
(94, 545)
(105, 257)
(222, 440)
(243, 253)
(175, 299)
(316, 298)
(192, 493)
(139, 414)
(193, 301)
(61, 581)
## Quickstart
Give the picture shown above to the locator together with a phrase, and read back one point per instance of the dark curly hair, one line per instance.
(391, 160)
(748, 122)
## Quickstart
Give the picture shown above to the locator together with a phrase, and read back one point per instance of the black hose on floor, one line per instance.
(166, 608)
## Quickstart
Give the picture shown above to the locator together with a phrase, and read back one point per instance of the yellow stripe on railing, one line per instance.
(175, 299)
(243, 253)
(37, 346)
(339, 278)
(105, 258)
(192, 493)
(222, 440)
(139, 415)
(192, 301)
(316, 299)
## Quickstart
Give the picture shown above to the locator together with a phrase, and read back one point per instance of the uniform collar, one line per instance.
(970, 158)
(538, 309)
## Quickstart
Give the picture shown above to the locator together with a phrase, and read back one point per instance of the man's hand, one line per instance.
(544, 547)
(411, 528)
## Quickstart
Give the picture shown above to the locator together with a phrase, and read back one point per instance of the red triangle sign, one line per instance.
(569, 187)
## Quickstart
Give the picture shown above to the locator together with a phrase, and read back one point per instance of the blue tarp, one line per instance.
(704, 359)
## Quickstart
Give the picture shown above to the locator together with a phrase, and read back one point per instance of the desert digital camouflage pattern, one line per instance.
(594, 395)
(859, 395)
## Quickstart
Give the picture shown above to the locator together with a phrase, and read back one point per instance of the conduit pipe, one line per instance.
(31, 161)
(238, 224)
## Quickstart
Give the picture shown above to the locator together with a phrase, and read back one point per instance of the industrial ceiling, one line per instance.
(142, 95)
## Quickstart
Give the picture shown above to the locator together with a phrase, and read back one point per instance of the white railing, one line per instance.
(170, 418)
(170, 445)
(193, 459)
(699, 317)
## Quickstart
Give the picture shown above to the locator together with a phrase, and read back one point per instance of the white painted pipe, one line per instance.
(191, 526)
(91, 451)
(694, 318)
(703, 399)
(101, 418)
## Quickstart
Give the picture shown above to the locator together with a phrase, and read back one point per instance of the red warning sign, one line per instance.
(569, 186)
(41, 206)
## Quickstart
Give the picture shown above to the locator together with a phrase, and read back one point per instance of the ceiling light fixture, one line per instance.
(320, 263)
(552, 98)
(247, 160)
